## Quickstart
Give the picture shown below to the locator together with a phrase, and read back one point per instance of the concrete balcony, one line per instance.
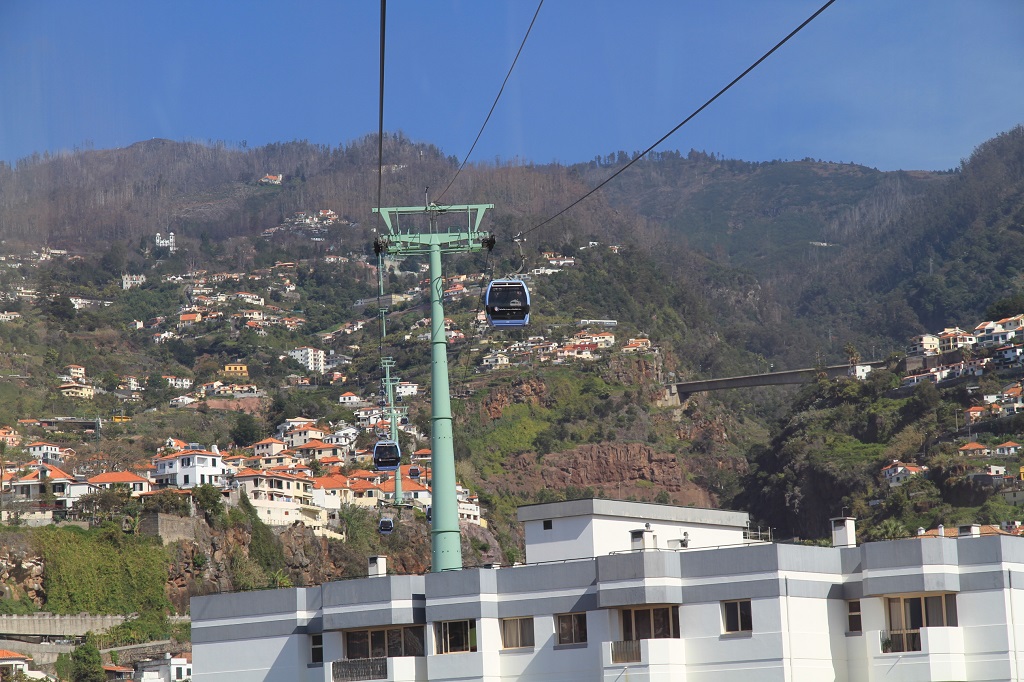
(404, 669)
(939, 658)
(654, 660)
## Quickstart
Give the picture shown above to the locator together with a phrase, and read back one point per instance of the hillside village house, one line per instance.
(300, 435)
(43, 479)
(187, 469)
(349, 398)
(898, 473)
(236, 370)
(48, 453)
(313, 359)
(925, 344)
(280, 498)
(10, 437)
(975, 450)
(616, 590)
(268, 447)
(111, 480)
(12, 663)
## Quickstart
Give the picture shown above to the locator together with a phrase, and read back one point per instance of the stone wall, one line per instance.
(169, 527)
(53, 625)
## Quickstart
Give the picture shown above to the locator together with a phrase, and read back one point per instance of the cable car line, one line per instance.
(380, 111)
(495, 104)
(686, 120)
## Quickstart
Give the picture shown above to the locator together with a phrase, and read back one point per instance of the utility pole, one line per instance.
(446, 541)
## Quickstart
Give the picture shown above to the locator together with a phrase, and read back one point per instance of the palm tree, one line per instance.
(852, 354)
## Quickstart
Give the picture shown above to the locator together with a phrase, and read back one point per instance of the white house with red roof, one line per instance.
(330, 492)
(268, 447)
(48, 452)
(412, 491)
(898, 473)
(301, 435)
(11, 663)
(368, 416)
(110, 480)
(1007, 449)
(975, 449)
(43, 478)
(407, 389)
(189, 468)
(318, 449)
(350, 398)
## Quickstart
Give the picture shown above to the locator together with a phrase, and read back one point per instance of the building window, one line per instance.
(516, 633)
(660, 622)
(547, 524)
(907, 615)
(316, 648)
(455, 636)
(384, 642)
(853, 623)
(737, 616)
(186, 479)
(572, 628)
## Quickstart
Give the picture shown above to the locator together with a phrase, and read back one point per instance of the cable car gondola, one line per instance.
(386, 526)
(386, 455)
(507, 303)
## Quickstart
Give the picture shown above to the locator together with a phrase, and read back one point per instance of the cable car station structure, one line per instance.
(446, 547)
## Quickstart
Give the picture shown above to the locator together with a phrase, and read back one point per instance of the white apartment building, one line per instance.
(313, 359)
(280, 498)
(660, 602)
(188, 468)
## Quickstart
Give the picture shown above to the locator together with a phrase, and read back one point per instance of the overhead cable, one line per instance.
(380, 109)
(501, 90)
(686, 120)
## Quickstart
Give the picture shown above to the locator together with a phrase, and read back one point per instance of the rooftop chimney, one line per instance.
(844, 531)
(972, 530)
(378, 566)
(642, 538)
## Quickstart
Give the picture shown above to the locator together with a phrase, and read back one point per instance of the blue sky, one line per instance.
(909, 84)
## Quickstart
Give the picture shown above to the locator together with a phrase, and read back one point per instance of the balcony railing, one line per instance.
(627, 651)
(901, 641)
(359, 669)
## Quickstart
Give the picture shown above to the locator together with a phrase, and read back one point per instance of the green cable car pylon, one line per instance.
(446, 546)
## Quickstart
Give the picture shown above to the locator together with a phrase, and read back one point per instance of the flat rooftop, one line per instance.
(641, 511)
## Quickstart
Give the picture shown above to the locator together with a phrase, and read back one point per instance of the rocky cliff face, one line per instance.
(21, 570)
(202, 566)
(529, 391)
(617, 470)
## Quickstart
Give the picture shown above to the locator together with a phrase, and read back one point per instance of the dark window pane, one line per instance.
(581, 627)
(675, 621)
(357, 644)
(394, 642)
(378, 647)
(913, 613)
(732, 617)
(526, 632)
(642, 623)
(951, 617)
(746, 622)
(565, 634)
(933, 612)
(413, 641)
(627, 625)
(855, 625)
(662, 629)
